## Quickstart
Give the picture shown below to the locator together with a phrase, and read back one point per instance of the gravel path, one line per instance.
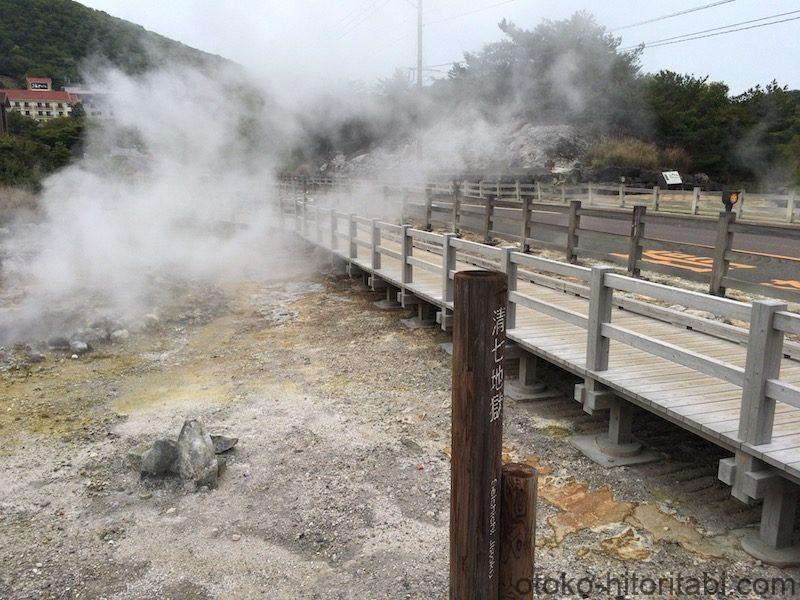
(339, 485)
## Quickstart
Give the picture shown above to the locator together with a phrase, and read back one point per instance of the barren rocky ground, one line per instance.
(339, 485)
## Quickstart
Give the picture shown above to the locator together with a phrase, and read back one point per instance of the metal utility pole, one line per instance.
(419, 45)
(419, 76)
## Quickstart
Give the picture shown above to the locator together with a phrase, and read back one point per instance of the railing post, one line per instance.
(487, 223)
(334, 225)
(764, 354)
(564, 193)
(305, 218)
(722, 246)
(317, 225)
(526, 219)
(352, 236)
(376, 242)
(637, 233)
(600, 305)
(456, 205)
(739, 208)
(790, 204)
(477, 434)
(622, 195)
(428, 207)
(539, 192)
(591, 193)
(406, 248)
(448, 265)
(572, 229)
(656, 197)
(695, 200)
(510, 269)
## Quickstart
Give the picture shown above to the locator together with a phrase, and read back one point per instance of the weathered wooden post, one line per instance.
(637, 233)
(572, 229)
(487, 220)
(517, 531)
(790, 204)
(722, 246)
(477, 433)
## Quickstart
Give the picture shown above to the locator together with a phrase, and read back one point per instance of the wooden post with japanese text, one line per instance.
(477, 431)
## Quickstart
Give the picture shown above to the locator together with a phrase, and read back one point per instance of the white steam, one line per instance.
(185, 156)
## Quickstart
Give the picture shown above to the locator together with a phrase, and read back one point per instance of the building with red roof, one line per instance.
(39, 100)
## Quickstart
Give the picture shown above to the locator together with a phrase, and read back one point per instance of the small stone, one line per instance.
(236, 537)
(223, 443)
(151, 321)
(145, 495)
(39, 565)
(120, 335)
(74, 356)
(170, 511)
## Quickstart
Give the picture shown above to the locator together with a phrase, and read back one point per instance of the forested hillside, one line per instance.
(51, 38)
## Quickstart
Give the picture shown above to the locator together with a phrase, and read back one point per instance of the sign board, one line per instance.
(35, 85)
(672, 177)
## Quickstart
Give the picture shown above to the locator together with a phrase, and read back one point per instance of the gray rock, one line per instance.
(90, 335)
(223, 443)
(196, 458)
(160, 458)
(119, 335)
(33, 356)
(151, 321)
(78, 347)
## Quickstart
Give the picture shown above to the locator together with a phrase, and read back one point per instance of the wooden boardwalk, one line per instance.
(734, 386)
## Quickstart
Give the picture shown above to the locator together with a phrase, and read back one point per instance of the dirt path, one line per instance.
(339, 485)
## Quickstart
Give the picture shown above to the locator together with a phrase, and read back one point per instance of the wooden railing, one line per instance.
(617, 235)
(769, 320)
(752, 206)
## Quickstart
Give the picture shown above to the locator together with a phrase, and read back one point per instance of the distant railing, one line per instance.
(614, 234)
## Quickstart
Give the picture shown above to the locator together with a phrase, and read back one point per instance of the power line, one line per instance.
(477, 10)
(697, 34)
(716, 29)
(371, 9)
(676, 14)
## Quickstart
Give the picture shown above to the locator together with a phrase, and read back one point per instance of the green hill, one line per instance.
(51, 38)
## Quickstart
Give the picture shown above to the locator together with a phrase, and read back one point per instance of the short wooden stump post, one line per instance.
(477, 432)
(517, 531)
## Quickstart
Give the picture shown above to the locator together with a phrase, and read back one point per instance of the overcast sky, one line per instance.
(368, 39)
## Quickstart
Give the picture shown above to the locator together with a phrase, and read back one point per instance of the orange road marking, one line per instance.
(682, 260)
